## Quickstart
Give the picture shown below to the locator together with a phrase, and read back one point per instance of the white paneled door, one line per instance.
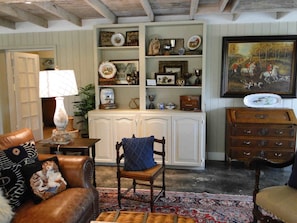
(24, 101)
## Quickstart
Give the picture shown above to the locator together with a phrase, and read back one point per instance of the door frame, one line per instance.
(28, 50)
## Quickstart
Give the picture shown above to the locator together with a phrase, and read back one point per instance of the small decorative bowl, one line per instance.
(170, 106)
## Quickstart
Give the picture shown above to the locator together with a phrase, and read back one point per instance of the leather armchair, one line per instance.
(78, 203)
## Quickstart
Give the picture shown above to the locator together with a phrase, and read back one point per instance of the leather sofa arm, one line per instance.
(77, 170)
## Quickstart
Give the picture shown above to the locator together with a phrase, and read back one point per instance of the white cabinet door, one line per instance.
(159, 126)
(100, 126)
(124, 126)
(110, 129)
(188, 140)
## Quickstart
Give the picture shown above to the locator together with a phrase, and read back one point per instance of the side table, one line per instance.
(81, 145)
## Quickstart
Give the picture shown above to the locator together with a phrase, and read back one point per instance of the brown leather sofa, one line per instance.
(78, 203)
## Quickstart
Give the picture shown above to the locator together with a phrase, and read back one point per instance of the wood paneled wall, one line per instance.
(74, 50)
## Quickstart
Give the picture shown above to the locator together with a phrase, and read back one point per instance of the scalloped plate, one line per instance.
(194, 42)
(262, 100)
(117, 39)
(107, 70)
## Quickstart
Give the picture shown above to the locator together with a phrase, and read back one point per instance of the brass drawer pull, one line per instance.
(278, 154)
(279, 132)
(246, 153)
(246, 142)
(278, 143)
(247, 131)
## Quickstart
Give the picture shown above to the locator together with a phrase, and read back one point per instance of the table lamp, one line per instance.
(58, 83)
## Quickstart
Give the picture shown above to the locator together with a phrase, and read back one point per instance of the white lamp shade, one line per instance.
(55, 83)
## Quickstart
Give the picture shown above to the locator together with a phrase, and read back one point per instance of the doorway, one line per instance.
(46, 62)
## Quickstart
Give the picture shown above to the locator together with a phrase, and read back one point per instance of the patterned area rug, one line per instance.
(203, 207)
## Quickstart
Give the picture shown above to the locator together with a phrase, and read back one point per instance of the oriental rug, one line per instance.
(203, 207)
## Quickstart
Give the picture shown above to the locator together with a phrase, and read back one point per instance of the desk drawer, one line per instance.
(269, 131)
(272, 143)
(239, 153)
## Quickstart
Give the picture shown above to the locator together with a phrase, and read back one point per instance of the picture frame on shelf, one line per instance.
(165, 79)
(125, 68)
(132, 38)
(105, 38)
(178, 67)
(259, 64)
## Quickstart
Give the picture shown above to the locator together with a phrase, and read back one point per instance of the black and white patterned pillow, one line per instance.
(22, 154)
(11, 179)
(13, 185)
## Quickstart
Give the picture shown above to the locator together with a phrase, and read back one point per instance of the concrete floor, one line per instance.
(218, 177)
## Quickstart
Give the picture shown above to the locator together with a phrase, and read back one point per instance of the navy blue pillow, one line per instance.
(138, 153)
(293, 177)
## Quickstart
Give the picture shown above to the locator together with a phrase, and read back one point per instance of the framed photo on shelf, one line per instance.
(178, 67)
(132, 38)
(259, 64)
(105, 38)
(167, 79)
(125, 67)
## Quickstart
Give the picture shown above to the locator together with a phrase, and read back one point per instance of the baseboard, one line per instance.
(215, 156)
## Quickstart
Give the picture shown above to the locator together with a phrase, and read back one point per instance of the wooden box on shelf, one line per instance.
(105, 81)
(190, 102)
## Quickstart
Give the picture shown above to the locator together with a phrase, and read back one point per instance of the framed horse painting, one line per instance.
(259, 64)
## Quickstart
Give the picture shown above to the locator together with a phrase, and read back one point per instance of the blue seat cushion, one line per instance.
(139, 153)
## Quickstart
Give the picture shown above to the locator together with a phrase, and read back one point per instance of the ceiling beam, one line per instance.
(193, 8)
(148, 9)
(223, 4)
(280, 15)
(102, 9)
(235, 16)
(60, 12)
(7, 23)
(23, 15)
(234, 5)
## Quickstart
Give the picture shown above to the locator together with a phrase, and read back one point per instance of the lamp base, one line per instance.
(60, 137)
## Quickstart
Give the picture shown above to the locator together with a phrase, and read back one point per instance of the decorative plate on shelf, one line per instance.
(262, 100)
(118, 39)
(194, 42)
(107, 70)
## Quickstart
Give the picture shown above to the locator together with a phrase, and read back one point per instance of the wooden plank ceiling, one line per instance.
(40, 12)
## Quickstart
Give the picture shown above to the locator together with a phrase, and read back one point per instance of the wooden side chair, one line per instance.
(139, 165)
(278, 201)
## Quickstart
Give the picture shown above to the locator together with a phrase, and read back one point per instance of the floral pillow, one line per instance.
(44, 179)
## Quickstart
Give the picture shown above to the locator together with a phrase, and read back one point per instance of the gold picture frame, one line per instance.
(105, 38)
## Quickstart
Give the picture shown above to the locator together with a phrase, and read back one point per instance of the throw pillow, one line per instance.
(6, 212)
(139, 153)
(13, 185)
(293, 177)
(22, 154)
(11, 179)
(44, 179)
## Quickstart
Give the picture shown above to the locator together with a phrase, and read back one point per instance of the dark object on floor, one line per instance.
(280, 201)
(145, 176)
